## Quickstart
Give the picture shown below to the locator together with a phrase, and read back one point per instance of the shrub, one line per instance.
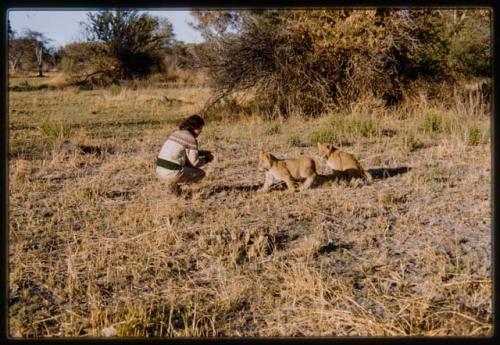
(115, 89)
(411, 143)
(310, 61)
(432, 123)
(272, 128)
(86, 64)
(470, 43)
(323, 135)
(52, 130)
(474, 135)
(365, 127)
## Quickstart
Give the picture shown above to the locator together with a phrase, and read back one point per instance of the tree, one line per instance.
(132, 40)
(11, 32)
(29, 51)
(470, 42)
(41, 43)
(18, 49)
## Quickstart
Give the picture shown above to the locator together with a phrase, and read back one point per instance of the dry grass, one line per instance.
(97, 249)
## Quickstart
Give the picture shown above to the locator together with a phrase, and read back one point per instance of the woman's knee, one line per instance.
(200, 174)
(190, 175)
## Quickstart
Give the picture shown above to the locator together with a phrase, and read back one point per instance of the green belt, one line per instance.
(167, 164)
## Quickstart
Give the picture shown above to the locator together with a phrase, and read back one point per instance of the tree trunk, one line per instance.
(14, 63)
(39, 59)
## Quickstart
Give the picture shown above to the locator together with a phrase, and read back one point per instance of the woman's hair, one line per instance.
(192, 122)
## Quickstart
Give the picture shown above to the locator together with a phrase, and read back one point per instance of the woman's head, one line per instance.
(194, 124)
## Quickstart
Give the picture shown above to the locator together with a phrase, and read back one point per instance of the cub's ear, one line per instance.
(324, 148)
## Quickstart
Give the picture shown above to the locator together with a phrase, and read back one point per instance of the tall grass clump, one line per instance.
(272, 128)
(115, 89)
(52, 129)
(338, 128)
(474, 135)
(411, 142)
(323, 135)
(432, 123)
(365, 127)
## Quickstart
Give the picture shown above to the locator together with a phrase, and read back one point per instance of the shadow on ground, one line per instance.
(239, 188)
(383, 173)
(377, 174)
(68, 146)
(27, 88)
(332, 247)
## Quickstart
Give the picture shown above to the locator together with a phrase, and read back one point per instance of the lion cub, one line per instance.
(342, 161)
(287, 170)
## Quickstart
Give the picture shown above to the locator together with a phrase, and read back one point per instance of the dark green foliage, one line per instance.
(133, 40)
(470, 45)
(121, 45)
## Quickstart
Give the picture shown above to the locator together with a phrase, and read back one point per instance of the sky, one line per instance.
(63, 26)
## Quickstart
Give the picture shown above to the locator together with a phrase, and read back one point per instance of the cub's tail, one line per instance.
(368, 177)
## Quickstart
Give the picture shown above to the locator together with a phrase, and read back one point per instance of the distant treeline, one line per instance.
(118, 45)
(304, 61)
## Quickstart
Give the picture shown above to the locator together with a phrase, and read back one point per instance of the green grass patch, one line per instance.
(115, 89)
(411, 142)
(432, 123)
(365, 127)
(52, 129)
(323, 135)
(474, 135)
(272, 128)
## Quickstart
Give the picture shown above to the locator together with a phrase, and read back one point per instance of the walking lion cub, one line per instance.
(287, 170)
(343, 162)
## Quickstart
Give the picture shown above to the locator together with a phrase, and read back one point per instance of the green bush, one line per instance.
(115, 89)
(324, 135)
(272, 128)
(432, 123)
(411, 143)
(474, 135)
(470, 45)
(365, 127)
(52, 130)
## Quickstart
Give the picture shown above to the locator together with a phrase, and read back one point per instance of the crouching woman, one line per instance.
(179, 160)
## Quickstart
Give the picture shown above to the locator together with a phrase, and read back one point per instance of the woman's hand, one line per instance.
(206, 156)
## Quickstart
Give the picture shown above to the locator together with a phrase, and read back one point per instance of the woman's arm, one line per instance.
(194, 158)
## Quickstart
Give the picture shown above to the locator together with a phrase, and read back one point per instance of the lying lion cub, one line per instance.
(287, 170)
(343, 162)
